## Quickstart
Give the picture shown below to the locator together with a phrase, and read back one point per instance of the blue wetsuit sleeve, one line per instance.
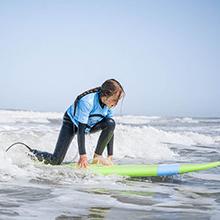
(83, 110)
(81, 138)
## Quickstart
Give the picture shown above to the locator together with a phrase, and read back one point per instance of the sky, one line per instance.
(166, 54)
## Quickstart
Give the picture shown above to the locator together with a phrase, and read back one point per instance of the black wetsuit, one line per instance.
(67, 133)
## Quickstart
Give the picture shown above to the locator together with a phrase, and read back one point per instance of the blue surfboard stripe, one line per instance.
(168, 169)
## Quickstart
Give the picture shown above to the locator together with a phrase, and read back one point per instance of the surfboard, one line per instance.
(144, 170)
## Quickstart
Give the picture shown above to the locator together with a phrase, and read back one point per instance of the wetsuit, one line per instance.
(87, 115)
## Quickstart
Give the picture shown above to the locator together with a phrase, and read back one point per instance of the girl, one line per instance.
(91, 112)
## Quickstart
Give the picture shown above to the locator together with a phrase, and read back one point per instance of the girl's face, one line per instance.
(111, 101)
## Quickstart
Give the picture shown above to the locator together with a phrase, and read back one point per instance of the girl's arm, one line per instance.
(83, 161)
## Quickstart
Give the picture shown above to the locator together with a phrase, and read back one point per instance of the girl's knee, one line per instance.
(110, 123)
(56, 161)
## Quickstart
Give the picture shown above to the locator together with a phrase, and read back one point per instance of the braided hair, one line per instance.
(97, 89)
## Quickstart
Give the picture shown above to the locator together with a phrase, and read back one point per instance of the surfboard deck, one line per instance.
(144, 170)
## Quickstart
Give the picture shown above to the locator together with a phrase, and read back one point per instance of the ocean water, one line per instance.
(30, 190)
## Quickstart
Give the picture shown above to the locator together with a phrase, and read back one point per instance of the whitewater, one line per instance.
(30, 190)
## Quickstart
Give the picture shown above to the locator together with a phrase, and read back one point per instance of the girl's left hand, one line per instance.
(98, 159)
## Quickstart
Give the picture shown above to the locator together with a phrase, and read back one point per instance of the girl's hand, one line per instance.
(83, 161)
(110, 157)
(98, 159)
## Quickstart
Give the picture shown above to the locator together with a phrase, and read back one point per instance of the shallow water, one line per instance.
(31, 190)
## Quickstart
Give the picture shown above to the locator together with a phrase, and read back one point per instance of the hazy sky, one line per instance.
(165, 53)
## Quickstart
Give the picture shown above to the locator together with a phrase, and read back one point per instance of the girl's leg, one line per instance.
(107, 125)
(110, 146)
(65, 138)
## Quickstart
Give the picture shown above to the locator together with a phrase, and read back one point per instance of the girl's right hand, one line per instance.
(83, 161)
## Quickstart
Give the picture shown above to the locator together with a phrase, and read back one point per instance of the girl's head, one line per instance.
(111, 92)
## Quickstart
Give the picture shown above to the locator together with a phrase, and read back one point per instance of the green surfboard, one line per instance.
(143, 170)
